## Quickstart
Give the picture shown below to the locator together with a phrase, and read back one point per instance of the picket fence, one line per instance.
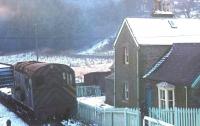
(109, 116)
(84, 91)
(176, 116)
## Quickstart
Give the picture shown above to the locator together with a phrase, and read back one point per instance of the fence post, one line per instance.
(104, 117)
(176, 116)
(125, 119)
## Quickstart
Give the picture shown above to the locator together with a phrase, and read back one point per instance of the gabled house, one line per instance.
(140, 44)
(174, 76)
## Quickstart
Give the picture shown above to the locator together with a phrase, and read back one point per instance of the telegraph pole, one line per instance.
(36, 43)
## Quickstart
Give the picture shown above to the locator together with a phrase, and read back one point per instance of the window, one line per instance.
(125, 94)
(64, 75)
(126, 56)
(70, 78)
(162, 98)
(166, 97)
(67, 78)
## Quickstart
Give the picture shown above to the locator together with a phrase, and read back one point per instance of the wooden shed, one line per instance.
(96, 78)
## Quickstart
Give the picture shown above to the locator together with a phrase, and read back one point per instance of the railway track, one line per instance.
(21, 111)
(25, 115)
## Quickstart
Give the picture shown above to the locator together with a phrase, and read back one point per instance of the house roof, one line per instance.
(181, 67)
(110, 77)
(164, 31)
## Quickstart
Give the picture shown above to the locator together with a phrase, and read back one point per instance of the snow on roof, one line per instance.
(164, 31)
(4, 66)
(98, 102)
(5, 114)
(6, 90)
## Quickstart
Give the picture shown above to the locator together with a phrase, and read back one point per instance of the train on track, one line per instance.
(41, 91)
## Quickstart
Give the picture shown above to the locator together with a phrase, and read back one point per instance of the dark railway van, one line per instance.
(45, 88)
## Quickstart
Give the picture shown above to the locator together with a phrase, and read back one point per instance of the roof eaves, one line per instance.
(158, 64)
(119, 32)
(133, 36)
(196, 82)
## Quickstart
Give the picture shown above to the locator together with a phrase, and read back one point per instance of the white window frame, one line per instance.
(166, 88)
(126, 56)
(126, 90)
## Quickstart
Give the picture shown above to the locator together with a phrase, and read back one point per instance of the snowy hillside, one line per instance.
(104, 47)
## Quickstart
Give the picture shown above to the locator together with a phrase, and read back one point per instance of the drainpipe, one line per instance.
(186, 96)
(114, 85)
(138, 89)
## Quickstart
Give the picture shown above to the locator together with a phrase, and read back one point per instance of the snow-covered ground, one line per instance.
(6, 90)
(5, 114)
(94, 101)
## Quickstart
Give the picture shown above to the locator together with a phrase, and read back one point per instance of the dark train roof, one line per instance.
(31, 67)
(97, 73)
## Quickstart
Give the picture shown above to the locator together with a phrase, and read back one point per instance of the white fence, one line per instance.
(84, 91)
(109, 116)
(154, 122)
(177, 116)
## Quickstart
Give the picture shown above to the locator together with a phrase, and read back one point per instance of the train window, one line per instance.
(64, 76)
(70, 78)
(27, 83)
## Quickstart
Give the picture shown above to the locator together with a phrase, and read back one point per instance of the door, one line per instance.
(149, 95)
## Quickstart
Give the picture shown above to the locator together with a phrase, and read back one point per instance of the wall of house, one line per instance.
(149, 55)
(109, 91)
(125, 72)
(180, 95)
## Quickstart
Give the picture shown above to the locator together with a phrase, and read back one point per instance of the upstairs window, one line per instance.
(166, 95)
(126, 56)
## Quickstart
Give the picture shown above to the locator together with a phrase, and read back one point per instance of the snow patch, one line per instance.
(98, 102)
(5, 114)
(6, 90)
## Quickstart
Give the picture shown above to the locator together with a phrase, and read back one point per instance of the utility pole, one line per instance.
(36, 43)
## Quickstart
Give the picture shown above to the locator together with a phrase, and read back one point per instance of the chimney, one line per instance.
(163, 8)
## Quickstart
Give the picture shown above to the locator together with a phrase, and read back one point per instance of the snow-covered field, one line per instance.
(81, 65)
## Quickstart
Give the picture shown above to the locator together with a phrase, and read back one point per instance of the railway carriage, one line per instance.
(47, 89)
